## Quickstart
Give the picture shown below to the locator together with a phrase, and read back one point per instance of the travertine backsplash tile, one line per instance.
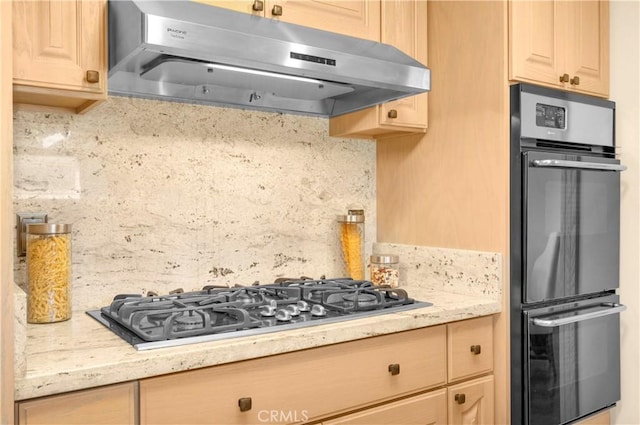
(449, 270)
(164, 195)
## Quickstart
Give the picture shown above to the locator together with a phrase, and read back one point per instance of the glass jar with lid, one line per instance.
(48, 272)
(352, 240)
(384, 270)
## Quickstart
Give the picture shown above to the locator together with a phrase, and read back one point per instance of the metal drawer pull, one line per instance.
(93, 77)
(277, 10)
(258, 6)
(476, 349)
(559, 163)
(552, 323)
(245, 404)
(393, 113)
(394, 369)
(460, 398)
(564, 78)
(575, 81)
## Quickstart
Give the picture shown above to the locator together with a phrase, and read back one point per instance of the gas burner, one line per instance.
(224, 312)
(189, 322)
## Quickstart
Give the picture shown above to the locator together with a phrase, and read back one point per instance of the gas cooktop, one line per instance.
(216, 313)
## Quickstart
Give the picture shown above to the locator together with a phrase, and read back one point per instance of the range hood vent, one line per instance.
(191, 52)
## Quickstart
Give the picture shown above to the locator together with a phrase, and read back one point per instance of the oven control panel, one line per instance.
(551, 116)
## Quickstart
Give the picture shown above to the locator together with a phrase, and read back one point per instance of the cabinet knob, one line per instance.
(93, 77)
(245, 404)
(258, 6)
(575, 81)
(394, 369)
(476, 349)
(277, 10)
(393, 113)
(564, 78)
(460, 398)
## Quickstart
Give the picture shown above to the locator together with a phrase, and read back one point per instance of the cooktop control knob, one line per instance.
(318, 310)
(283, 315)
(303, 305)
(293, 309)
(268, 311)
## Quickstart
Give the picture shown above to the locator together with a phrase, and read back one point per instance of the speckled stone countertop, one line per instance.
(82, 353)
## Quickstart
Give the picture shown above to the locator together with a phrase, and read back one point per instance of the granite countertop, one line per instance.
(82, 353)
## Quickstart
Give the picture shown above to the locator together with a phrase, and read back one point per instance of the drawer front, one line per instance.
(295, 387)
(112, 405)
(470, 348)
(429, 408)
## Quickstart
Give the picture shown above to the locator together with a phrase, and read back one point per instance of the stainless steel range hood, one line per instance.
(191, 52)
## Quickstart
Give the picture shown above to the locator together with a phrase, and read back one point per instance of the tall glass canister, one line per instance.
(352, 239)
(48, 272)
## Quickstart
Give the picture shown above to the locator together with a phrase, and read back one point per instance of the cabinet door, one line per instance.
(115, 404)
(356, 18)
(404, 25)
(533, 42)
(60, 52)
(471, 402)
(425, 409)
(255, 7)
(603, 418)
(589, 56)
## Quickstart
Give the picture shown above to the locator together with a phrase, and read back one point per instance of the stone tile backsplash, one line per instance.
(165, 195)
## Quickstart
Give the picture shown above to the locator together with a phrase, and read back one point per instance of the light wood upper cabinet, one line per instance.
(112, 405)
(60, 53)
(471, 403)
(563, 44)
(404, 25)
(356, 18)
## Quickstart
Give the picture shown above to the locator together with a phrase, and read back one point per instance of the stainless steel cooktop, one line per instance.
(216, 313)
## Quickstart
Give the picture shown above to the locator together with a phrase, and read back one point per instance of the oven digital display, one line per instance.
(551, 116)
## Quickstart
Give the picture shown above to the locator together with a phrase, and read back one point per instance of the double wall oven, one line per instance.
(565, 237)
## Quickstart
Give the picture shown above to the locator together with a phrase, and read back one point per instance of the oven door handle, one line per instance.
(560, 163)
(612, 308)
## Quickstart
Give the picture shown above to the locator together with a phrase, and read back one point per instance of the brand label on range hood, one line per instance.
(311, 58)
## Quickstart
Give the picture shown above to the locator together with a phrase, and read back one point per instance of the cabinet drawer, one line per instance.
(301, 385)
(112, 405)
(429, 408)
(470, 348)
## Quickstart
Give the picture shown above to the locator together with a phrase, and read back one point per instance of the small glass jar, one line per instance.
(48, 272)
(384, 270)
(352, 240)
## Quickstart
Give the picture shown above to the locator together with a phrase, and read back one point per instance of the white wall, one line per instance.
(625, 91)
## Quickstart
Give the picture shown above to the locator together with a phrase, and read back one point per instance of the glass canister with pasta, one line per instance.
(352, 239)
(48, 272)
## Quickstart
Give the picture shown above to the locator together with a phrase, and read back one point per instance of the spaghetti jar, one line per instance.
(384, 270)
(48, 272)
(352, 239)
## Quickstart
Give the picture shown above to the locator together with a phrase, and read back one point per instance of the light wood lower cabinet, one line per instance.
(112, 405)
(424, 409)
(301, 385)
(399, 378)
(603, 418)
(471, 402)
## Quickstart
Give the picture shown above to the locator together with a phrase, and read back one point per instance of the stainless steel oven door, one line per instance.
(573, 364)
(572, 218)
